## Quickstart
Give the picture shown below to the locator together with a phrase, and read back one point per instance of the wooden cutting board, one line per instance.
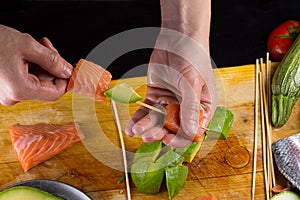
(95, 165)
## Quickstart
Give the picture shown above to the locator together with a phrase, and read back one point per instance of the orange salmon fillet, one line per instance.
(172, 120)
(89, 79)
(36, 143)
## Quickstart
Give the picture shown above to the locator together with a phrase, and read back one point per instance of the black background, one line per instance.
(239, 28)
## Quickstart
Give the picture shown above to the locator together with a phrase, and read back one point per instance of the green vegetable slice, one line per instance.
(220, 123)
(147, 176)
(286, 85)
(170, 159)
(189, 152)
(176, 179)
(123, 93)
(286, 195)
(147, 151)
(26, 193)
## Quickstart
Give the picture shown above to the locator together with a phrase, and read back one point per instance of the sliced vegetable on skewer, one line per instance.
(123, 93)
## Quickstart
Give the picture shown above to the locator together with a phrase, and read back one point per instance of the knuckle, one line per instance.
(53, 58)
(27, 40)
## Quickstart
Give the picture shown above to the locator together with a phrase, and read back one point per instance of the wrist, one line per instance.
(191, 18)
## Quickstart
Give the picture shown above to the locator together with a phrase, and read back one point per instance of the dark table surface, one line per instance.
(239, 29)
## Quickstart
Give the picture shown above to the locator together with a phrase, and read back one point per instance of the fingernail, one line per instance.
(68, 71)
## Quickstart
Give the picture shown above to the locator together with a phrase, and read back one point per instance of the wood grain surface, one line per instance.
(95, 164)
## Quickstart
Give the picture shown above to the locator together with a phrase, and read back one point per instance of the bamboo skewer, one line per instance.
(255, 130)
(159, 110)
(264, 150)
(118, 123)
(150, 107)
(263, 98)
(264, 119)
(269, 100)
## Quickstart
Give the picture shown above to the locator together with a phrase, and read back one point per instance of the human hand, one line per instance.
(179, 72)
(30, 69)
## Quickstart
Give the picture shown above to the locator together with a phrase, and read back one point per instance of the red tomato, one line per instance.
(281, 38)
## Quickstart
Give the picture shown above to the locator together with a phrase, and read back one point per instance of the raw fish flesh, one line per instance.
(89, 79)
(36, 143)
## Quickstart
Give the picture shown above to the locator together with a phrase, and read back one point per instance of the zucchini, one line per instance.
(286, 85)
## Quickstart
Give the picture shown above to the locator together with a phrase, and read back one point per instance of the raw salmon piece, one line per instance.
(172, 121)
(89, 79)
(36, 143)
(206, 198)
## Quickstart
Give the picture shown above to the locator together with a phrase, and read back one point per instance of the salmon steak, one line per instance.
(89, 79)
(34, 144)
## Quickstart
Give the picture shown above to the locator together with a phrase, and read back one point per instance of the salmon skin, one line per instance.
(287, 157)
(89, 79)
(36, 143)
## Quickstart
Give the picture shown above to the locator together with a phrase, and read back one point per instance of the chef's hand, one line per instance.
(179, 72)
(30, 69)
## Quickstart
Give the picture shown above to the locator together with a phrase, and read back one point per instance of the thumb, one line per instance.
(46, 58)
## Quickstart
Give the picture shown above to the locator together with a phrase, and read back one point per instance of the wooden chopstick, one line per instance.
(118, 123)
(255, 128)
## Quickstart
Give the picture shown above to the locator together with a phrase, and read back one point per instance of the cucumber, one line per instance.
(220, 123)
(286, 195)
(26, 193)
(286, 85)
(123, 93)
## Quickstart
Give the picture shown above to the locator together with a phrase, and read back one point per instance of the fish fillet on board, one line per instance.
(89, 79)
(36, 143)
